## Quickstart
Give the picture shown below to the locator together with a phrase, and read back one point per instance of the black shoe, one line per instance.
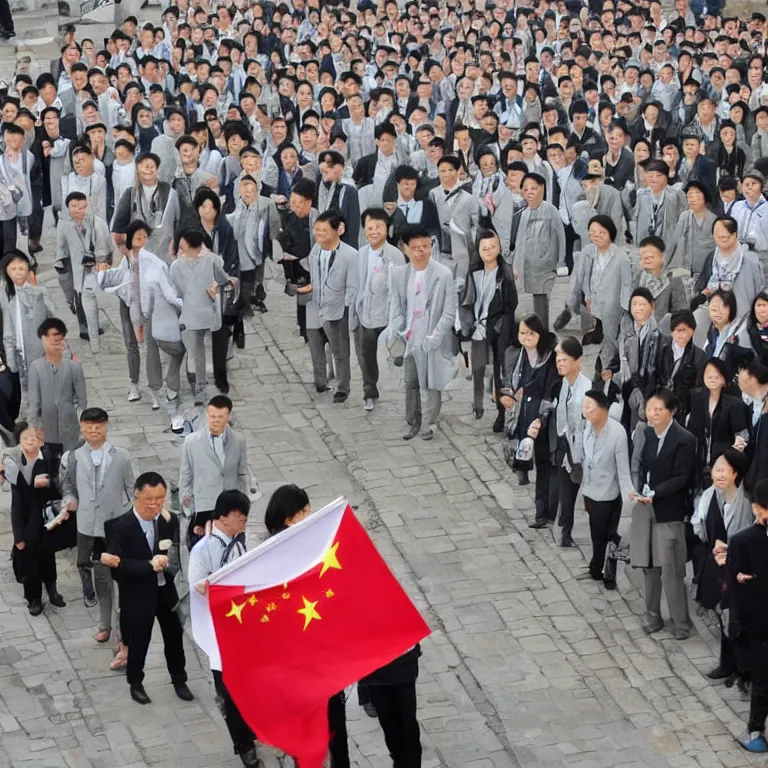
(239, 337)
(412, 432)
(35, 607)
(183, 692)
(730, 680)
(139, 695)
(593, 337)
(562, 320)
(54, 598)
(498, 425)
(567, 542)
(522, 478)
(318, 388)
(609, 583)
(718, 673)
(340, 397)
(538, 524)
(85, 336)
(260, 306)
(250, 758)
(223, 386)
(478, 412)
(101, 331)
(370, 710)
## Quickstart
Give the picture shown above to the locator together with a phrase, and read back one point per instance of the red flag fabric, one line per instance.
(285, 650)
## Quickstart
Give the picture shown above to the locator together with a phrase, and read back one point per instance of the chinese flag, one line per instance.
(301, 617)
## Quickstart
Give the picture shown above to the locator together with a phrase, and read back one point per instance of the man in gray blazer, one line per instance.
(332, 268)
(213, 460)
(368, 313)
(98, 483)
(422, 309)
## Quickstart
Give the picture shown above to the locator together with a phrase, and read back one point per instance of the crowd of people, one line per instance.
(413, 168)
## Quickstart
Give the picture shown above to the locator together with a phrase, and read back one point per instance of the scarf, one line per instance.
(724, 273)
(328, 194)
(656, 285)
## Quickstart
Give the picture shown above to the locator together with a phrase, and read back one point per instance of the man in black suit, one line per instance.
(333, 193)
(144, 543)
(409, 205)
(663, 478)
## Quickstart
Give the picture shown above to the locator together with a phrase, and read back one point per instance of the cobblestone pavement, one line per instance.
(526, 666)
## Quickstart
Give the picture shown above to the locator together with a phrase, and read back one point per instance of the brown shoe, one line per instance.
(34, 246)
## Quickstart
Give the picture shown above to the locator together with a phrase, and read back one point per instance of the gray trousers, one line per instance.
(367, 347)
(102, 579)
(176, 352)
(131, 344)
(541, 307)
(194, 342)
(337, 334)
(413, 410)
(669, 556)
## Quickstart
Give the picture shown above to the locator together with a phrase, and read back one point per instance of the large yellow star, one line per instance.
(309, 612)
(236, 611)
(329, 559)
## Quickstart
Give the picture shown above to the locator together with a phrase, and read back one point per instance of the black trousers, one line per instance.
(546, 491)
(758, 669)
(568, 490)
(301, 319)
(6, 19)
(139, 629)
(8, 228)
(728, 660)
(40, 568)
(570, 240)
(239, 731)
(220, 347)
(337, 722)
(396, 708)
(604, 519)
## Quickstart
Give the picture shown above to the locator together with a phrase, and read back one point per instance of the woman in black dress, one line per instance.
(723, 511)
(33, 489)
(530, 380)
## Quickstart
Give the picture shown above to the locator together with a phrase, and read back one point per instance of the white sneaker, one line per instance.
(170, 395)
(133, 393)
(369, 404)
(153, 402)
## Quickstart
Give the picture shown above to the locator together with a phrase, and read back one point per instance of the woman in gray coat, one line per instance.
(604, 276)
(25, 308)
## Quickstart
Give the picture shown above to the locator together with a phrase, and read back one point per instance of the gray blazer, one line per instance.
(202, 476)
(55, 398)
(35, 305)
(112, 499)
(606, 476)
(371, 305)
(331, 297)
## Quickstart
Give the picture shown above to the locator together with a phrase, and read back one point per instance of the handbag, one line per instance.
(230, 299)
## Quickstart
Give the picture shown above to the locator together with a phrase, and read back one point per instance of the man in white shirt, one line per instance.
(751, 215)
(223, 543)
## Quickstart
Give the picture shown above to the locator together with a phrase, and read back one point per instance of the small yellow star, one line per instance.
(236, 611)
(329, 593)
(264, 619)
(286, 595)
(309, 612)
(329, 560)
(271, 607)
(252, 600)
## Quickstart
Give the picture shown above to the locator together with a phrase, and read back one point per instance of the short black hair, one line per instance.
(760, 493)
(193, 237)
(403, 172)
(757, 371)
(572, 347)
(667, 397)
(729, 300)
(682, 317)
(654, 241)
(51, 324)
(151, 479)
(72, 196)
(285, 503)
(642, 293)
(135, 226)
(21, 426)
(598, 397)
(220, 401)
(412, 232)
(377, 214)
(332, 217)
(606, 222)
(98, 415)
(231, 501)
(304, 188)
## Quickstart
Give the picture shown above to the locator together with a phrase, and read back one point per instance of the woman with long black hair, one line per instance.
(530, 382)
(487, 316)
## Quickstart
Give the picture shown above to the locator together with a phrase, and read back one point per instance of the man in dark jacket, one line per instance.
(662, 473)
(144, 543)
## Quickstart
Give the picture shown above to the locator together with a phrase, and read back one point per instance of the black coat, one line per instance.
(500, 323)
(28, 503)
(364, 171)
(748, 554)
(404, 669)
(729, 418)
(689, 374)
(671, 472)
(139, 590)
(429, 220)
(757, 450)
(759, 346)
